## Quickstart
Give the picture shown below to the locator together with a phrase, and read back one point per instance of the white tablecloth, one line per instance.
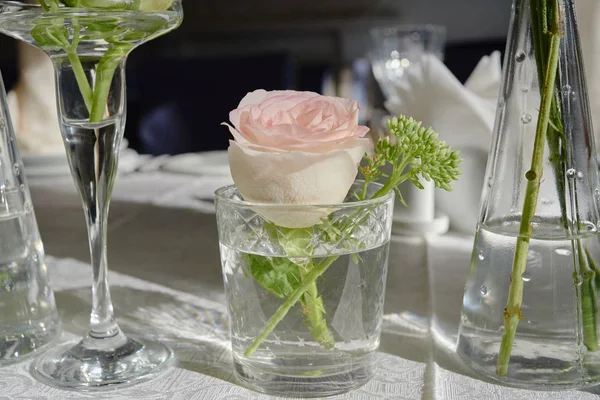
(166, 277)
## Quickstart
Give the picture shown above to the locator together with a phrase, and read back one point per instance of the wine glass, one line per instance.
(396, 48)
(89, 47)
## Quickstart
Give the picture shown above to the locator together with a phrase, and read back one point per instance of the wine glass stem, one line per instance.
(102, 320)
(93, 155)
(105, 155)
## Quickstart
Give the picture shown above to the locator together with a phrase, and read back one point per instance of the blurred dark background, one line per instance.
(183, 85)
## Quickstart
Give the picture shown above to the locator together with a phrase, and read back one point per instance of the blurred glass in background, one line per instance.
(396, 48)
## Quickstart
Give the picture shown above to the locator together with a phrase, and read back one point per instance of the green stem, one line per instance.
(104, 76)
(541, 11)
(589, 308)
(80, 77)
(283, 310)
(395, 180)
(512, 313)
(314, 313)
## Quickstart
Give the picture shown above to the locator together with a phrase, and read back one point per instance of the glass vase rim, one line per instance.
(220, 196)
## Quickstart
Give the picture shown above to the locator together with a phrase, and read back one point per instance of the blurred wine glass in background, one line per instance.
(396, 48)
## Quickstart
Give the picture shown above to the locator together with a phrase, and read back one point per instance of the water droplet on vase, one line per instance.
(34, 257)
(501, 329)
(563, 252)
(16, 169)
(590, 226)
(532, 323)
(535, 224)
(526, 118)
(597, 193)
(483, 290)
(526, 277)
(490, 181)
(22, 187)
(27, 207)
(481, 256)
(300, 342)
(33, 308)
(546, 202)
(566, 90)
(578, 280)
(579, 175)
(464, 319)
(571, 173)
(520, 57)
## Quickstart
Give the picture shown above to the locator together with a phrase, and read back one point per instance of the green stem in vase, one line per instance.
(512, 312)
(314, 312)
(78, 71)
(557, 158)
(589, 309)
(104, 76)
(282, 311)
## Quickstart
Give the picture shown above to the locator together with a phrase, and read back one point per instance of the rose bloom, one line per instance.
(295, 148)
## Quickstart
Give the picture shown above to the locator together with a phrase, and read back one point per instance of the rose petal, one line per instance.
(255, 97)
(295, 178)
(251, 98)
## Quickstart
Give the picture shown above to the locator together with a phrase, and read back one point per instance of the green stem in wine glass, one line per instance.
(104, 76)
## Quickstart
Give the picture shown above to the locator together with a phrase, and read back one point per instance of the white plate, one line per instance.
(209, 163)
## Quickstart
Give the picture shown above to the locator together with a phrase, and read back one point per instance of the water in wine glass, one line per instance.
(28, 318)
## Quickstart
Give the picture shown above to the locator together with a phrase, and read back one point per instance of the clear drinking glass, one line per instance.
(305, 305)
(28, 318)
(89, 48)
(396, 48)
(530, 309)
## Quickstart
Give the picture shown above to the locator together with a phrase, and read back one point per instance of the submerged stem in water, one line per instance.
(512, 313)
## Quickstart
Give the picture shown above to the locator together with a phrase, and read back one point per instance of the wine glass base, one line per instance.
(74, 366)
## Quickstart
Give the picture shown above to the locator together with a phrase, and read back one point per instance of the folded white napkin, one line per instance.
(32, 104)
(464, 117)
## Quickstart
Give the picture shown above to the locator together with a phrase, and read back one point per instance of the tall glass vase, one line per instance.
(29, 321)
(89, 48)
(530, 311)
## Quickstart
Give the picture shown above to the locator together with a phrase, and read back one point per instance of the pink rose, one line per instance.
(295, 148)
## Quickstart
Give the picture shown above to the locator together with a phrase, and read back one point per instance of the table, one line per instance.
(166, 283)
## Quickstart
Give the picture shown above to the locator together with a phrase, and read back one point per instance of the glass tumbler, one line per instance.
(305, 304)
(28, 317)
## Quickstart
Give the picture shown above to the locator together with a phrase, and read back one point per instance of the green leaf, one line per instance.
(278, 275)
